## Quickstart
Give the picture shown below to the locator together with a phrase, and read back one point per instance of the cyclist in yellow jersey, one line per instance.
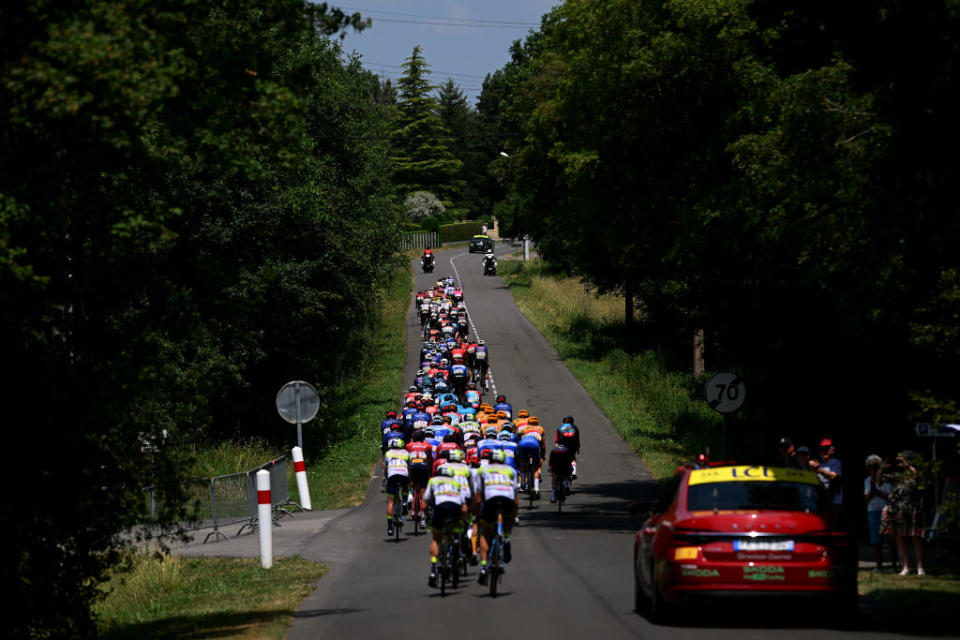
(397, 461)
(496, 488)
(448, 497)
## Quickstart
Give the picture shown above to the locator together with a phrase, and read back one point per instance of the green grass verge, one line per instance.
(176, 597)
(656, 409)
(929, 599)
(340, 477)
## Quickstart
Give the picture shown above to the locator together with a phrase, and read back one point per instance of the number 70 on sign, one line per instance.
(725, 392)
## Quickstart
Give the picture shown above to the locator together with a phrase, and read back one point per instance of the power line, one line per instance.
(455, 24)
(479, 21)
(412, 138)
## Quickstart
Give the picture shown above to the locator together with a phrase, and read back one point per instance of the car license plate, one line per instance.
(763, 545)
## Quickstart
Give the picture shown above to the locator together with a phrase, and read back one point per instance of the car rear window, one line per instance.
(776, 496)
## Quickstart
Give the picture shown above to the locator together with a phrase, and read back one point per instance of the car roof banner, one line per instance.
(746, 473)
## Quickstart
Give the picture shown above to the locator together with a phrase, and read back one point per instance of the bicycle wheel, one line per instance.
(530, 481)
(397, 516)
(443, 574)
(493, 565)
(455, 561)
(416, 511)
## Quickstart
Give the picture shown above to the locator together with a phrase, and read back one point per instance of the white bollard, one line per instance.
(265, 521)
(301, 471)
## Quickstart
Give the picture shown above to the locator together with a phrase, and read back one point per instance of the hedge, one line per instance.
(460, 231)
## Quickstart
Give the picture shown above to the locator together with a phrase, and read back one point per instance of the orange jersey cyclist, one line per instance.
(496, 488)
(530, 446)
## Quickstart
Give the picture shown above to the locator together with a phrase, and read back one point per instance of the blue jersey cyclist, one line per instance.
(503, 405)
(495, 490)
(508, 445)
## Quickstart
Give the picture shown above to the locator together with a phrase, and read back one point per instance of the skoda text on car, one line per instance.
(739, 530)
(480, 243)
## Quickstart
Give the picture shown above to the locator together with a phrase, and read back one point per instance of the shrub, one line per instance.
(423, 204)
(459, 231)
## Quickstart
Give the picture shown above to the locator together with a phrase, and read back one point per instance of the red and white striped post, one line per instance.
(301, 470)
(265, 521)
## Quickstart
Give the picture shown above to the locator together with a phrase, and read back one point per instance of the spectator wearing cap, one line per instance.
(829, 470)
(788, 455)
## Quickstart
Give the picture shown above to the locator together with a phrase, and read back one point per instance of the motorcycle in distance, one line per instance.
(489, 264)
(426, 261)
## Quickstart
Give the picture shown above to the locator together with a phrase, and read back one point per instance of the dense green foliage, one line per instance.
(776, 175)
(187, 221)
(459, 231)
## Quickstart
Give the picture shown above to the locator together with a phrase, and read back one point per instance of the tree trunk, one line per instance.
(628, 304)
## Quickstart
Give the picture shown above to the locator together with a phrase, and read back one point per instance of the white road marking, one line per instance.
(473, 327)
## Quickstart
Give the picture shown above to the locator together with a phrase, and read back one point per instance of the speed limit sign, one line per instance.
(725, 392)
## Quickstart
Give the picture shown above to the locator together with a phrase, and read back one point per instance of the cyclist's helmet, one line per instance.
(480, 341)
(501, 398)
(490, 432)
(472, 386)
(455, 455)
(418, 435)
(443, 454)
(506, 426)
(568, 419)
(446, 470)
(451, 436)
(470, 436)
(391, 414)
(523, 413)
(437, 419)
(502, 414)
(395, 443)
(505, 435)
(498, 455)
(533, 420)
(428, 431)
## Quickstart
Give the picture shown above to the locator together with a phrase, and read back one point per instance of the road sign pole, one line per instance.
(296, 391)
(724, 437)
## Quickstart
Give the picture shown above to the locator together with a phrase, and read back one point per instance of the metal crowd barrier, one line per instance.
(420, 240)
(231, 499)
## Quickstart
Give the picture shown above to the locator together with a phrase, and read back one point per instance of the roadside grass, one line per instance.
(928, 599)
(340, 476)
(169, 596)
(656, 408)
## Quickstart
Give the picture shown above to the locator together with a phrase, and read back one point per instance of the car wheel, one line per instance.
(640, 600)
(659, 611)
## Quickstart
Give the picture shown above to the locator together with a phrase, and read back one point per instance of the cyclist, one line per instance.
(560, 465)
(472, 397)
(396, 431)
(421, 463)
(503, 405)
(508, 445)
(530, 447)
(569, 434)
(396, 460)
(496, 488)
(389, 422)
(489, 441)
(483, 362)
(448, 497)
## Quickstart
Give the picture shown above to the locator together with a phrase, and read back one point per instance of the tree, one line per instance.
(422, 160)
(185, 213)
(423, 204)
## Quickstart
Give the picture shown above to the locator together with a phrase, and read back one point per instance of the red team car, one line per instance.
(739, 530)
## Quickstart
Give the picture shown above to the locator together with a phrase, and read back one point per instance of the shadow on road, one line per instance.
(599, 507)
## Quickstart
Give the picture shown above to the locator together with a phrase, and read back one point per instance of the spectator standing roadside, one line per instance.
(788, 455)
(829, 469)
(903, 515)
(803, 457)
(875, 494)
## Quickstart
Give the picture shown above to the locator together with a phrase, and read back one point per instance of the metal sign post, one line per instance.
(725, 393)
(298, 402)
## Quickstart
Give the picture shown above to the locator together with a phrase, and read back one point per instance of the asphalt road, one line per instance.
(571, 574)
